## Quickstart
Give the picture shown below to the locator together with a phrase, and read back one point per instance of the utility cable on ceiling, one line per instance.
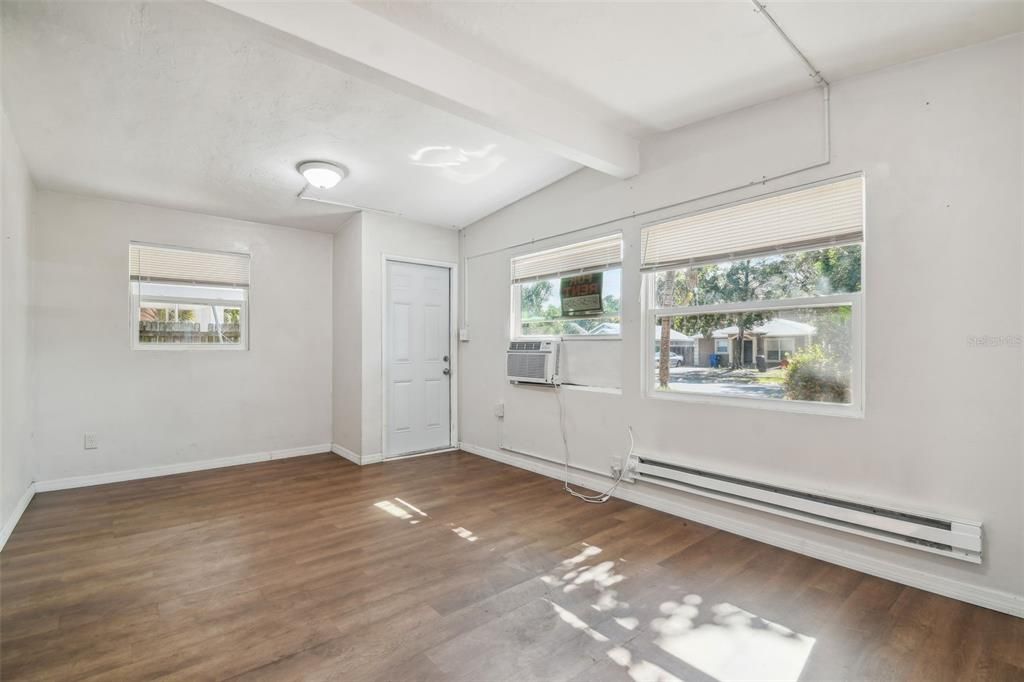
(813, 72)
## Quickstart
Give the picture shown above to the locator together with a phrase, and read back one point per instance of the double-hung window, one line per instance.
(766, 294)
(573, 290)
(186, 298)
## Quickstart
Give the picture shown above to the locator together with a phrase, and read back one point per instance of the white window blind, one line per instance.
(186, 266)
(575, 259)
(821, 215)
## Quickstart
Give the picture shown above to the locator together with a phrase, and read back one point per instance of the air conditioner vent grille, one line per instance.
(532, 362)
(527, 365)
(527, 346)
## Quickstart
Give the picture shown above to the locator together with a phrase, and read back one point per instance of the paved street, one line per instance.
(741, 383)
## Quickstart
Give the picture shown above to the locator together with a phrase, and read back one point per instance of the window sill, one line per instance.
(187, 346)
(607, 390)
(852, 411)
(580, 337)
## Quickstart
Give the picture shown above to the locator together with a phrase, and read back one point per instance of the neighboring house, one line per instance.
(775, 339)
(678, 343)
(607, 328)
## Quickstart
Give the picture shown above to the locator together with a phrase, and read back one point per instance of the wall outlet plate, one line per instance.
(499, 410)
(632, 462)
(90, 442)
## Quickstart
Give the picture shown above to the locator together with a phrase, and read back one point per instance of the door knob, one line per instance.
(446, 371)
(445, 358)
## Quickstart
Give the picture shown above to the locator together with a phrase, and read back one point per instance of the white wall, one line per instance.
(160, 407)
(348, 346)
(359, 250)
(389, 236)
(940, 144)
(16, 358)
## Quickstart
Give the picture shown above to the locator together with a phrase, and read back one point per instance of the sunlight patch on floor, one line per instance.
(577, 622)
(409, 506)
(393, 509)
(588, 551)
(629, 622)
(731, 644)
(465, 534)
(600, 576)
(721, 640)
(640, 671)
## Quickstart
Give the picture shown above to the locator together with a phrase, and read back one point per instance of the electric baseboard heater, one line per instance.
(953, 538)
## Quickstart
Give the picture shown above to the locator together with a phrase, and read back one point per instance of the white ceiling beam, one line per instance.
(372, 48)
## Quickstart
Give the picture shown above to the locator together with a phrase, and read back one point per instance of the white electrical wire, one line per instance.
(600, 497)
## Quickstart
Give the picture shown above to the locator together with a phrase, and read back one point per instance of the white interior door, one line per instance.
(418, 359)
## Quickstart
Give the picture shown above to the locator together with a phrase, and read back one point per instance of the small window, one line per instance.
(769, 292)
(779, 349)
(184, 298)
(574, 290)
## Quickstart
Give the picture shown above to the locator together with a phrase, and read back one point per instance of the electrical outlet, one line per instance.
(90, 442)
(499, 410)
(616, 465)
(629, 475)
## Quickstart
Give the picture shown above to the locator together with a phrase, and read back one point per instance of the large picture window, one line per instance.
(184, 298)
(766, 297)
(574, 290)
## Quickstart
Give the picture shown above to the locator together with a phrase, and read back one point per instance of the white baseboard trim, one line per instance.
(372, 458)
(346, 453)
(168, 469)
(8, 528)
(997, 600)
(412, 455)
(375, 457)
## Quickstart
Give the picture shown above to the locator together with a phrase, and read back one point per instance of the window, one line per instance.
(569, 291)
(778, 349)
(770, 292)
(183, 298)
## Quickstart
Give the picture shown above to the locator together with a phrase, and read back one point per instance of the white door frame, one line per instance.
(453, 383)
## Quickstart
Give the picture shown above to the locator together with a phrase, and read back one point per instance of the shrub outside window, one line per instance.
(763, 299)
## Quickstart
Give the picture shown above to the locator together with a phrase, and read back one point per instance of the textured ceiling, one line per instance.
(175, 105)
(655, 66)
(171, 105)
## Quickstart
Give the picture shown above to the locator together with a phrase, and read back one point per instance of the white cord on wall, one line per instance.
(599, 498)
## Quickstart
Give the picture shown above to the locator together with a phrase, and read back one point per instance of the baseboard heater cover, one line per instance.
(953, 538)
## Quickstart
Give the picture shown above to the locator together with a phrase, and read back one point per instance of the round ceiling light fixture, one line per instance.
(322, 174)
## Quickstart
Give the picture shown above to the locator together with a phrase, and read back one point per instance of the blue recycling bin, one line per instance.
(713, 360)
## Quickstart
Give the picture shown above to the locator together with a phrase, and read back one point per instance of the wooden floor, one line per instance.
(448, 567)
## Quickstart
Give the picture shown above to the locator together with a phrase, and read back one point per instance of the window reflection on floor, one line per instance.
(681, 636)
(721, 640)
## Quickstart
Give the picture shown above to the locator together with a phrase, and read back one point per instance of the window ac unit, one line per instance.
(533, 362)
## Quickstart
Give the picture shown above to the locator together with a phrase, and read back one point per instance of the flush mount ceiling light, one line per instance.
(322, 174)
(325, 175)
